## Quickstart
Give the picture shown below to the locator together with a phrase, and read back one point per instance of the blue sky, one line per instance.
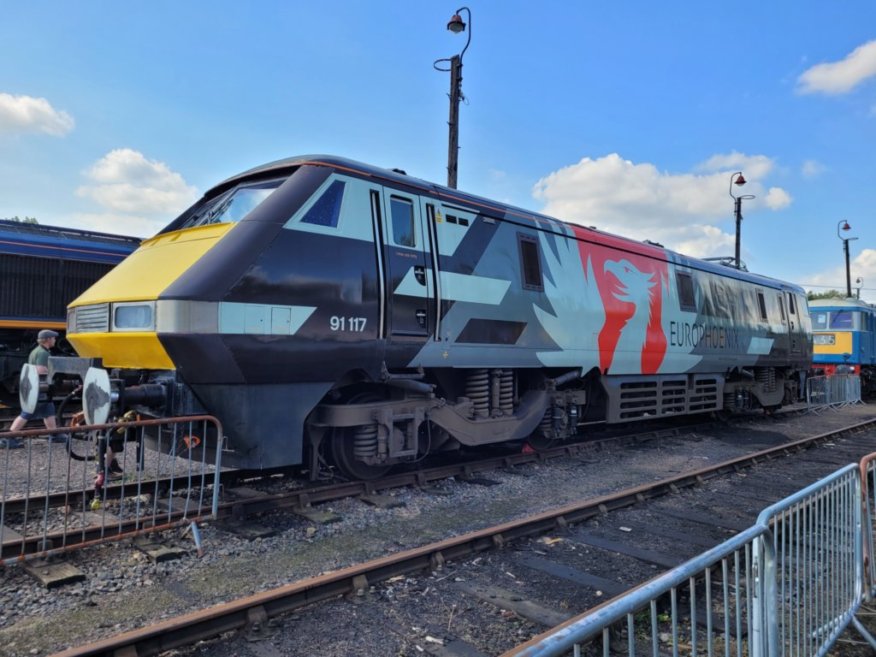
(629, 116)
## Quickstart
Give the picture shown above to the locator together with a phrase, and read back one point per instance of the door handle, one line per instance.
(421, 317)
(420, 274)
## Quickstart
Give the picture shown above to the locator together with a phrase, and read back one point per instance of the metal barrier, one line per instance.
(787, 586)
(706, 602)
(105, 482)
(832, 391)
(812, 564)
(868, 477)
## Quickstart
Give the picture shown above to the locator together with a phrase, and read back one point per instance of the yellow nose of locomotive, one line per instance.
(116, 318)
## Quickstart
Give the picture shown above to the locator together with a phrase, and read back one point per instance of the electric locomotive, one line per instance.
(43, 268)
(844, 337)
(327, 310)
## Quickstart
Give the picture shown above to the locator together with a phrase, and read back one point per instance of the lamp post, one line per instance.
(844, 225)
(456, 25)
(739, 180)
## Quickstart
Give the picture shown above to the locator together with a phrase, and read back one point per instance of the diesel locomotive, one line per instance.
(844, 337)
(330, 311)
(43, 268)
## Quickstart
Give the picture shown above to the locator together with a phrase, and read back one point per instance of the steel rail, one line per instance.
(326, 492)
(294, 499)
(16, 550)
(210, 622)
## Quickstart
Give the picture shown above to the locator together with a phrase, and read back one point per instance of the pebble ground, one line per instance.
(124, 590)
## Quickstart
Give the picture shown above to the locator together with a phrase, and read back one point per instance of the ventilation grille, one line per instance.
(92, 319)
(632, 399)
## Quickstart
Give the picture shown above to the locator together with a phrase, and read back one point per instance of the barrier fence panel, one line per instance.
(837, 390)
(105, 482)
(786, 587)
(868, 475)
(812, 564)
(704, 606)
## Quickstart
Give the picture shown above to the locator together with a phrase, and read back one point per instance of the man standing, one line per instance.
(45, 409)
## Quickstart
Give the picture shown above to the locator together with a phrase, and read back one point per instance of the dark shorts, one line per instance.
(42, 411)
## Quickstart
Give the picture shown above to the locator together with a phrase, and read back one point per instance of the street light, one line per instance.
(739, 180)
(455, 25)
(844, 225)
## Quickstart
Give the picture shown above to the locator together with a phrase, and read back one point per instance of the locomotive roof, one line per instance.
(842, 304)
(502, 211)
(69, 243)
(63, 233)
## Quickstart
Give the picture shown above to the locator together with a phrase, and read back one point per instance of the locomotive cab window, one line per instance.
(841, 319)
(530, 263)
(402, 211)
(229, 207)
(327, 209)
(686, 300)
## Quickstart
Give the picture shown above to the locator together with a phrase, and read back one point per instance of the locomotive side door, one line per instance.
(796, 331)
(409, 285)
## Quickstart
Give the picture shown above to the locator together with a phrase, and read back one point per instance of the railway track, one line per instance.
(247, 493)
(489, 590)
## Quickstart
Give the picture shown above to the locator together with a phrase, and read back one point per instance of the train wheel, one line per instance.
(342, 450)
(538, 441)
(346, 441)
(543, 437)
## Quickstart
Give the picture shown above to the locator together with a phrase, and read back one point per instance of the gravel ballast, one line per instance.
(124, 590)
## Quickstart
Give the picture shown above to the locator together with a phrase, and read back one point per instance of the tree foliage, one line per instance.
(830, 294)
(26, 220)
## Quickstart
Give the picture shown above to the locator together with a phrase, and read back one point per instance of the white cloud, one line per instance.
(777, 198)
(840, 77)
(118, 224)
(20, 114)
(754, 166)
(138, 196)
(861, 266)
(812, 168)
(681, 211)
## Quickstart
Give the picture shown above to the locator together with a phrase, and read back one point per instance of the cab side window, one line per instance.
(402, 221)
(761, 305)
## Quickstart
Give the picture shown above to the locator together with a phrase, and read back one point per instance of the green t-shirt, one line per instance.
(39, 356)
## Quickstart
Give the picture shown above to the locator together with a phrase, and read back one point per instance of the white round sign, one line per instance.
(96, 397)
(29, 388)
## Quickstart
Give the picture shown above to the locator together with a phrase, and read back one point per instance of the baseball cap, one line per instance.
(45, 334)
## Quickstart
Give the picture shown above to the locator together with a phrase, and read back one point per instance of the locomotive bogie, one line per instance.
(317, 305)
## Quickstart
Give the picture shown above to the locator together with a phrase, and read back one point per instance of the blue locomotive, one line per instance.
(332, 311)
(43, 268)
(844, 337)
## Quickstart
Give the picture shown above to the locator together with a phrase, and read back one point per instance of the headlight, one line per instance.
(134, 316)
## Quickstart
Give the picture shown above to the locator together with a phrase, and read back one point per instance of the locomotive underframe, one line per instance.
(388, 431)
(397, 419)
